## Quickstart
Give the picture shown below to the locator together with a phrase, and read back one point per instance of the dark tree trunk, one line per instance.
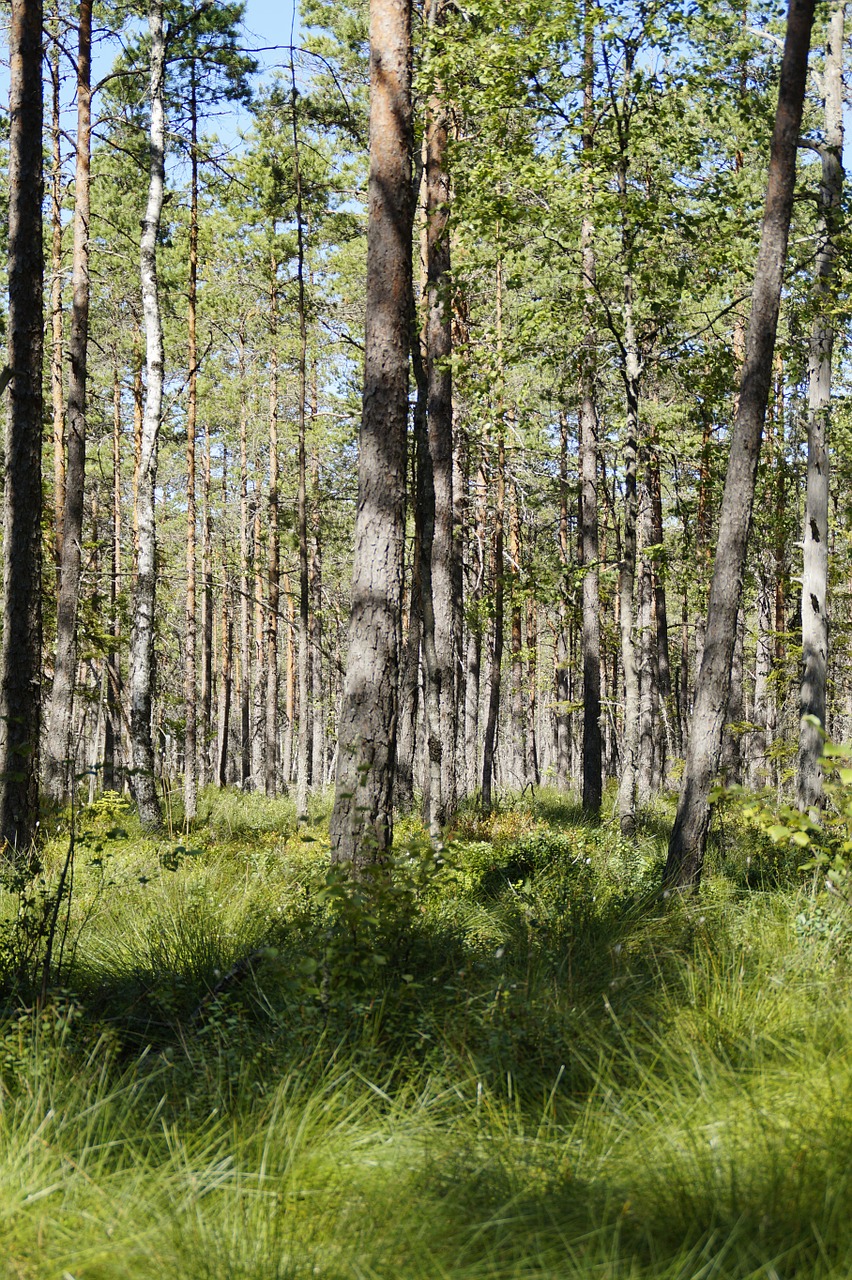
(20, 666)
(362, 819)
(59, 761)
(689, 835)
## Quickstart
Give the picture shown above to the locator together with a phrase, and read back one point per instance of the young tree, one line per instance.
(362, 819)
(689, 834)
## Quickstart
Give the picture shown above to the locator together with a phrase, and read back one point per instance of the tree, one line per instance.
(815, 572)
(689, 834)
(20, 658)
(362, 819)
(60, 711)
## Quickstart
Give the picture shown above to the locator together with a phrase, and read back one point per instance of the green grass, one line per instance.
(522, 1063)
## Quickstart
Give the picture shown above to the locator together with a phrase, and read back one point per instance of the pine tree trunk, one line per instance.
(442, 569)
(812, 701)
(112, 729)
(271, 750)
(56, 356)
(258, 735)
(518, 769)
(306, 738)
(59, 762)
(207, 615)
(496, 663)
(245, 633)
(563, 656)
(142, 634)
(626, 585)
(318, 751)
(362, 820)
(20, 664)
(689, 835)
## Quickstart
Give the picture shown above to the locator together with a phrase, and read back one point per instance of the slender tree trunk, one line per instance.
(318, 751)
(533, 773)
(20, 664)
(812, 701)
(190, 787)
(59, 764)
(518, 710)
(592, 763)
(626, 584)
(258, 737)
(56, 357)
(689, 835)
(207, 614)
(563, 654)
(271, 750)
(306, 741)
(443, 568)
(410, 674)
(362, 820)
(245, 634)
(112, 729)
(142, 634)
(648, 694)
(494, 680)
(473, 676)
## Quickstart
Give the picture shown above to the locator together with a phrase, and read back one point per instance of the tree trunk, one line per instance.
(271, 751)
(112, 725)
(563, 654)
(473, 660)
(59, 762)
(258, 736)
(362, 819)
(190, 776)
(442, 568)
(142, 633)
(245, 634)
(318, 751)
(56, 356)
(207, 615)
(812, 702)
(20, 666)
(689, 835)
(626, 585)
(518, 769)
(495, 674)
(306, 739)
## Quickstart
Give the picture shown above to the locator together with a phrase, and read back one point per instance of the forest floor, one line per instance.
(517, 1062)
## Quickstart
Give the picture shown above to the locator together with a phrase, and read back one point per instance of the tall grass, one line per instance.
(520, 1064)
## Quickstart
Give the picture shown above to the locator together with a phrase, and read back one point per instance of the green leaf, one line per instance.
(777, 832)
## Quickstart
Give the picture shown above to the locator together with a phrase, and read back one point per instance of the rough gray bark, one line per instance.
(812, 701)
(689, 834)
(318, 753)
(496, 662)
(56, 354)
(244, 772)
(20, 663)
(518, 745)
(141, 675)
(473, 657)
(362, 819)
(626, 587)
(270, 750)
(648, 693)
(59, 762)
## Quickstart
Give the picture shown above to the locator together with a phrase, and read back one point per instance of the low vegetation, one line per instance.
(517, 1060)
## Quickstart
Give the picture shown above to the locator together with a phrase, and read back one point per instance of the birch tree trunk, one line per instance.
(56, 325)
(812, 702)
(689, 834)
(20, 662)
(59, 762)
(362, 819)
(142, 633)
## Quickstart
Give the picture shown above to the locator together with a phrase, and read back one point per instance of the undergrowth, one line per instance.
(513, 1060)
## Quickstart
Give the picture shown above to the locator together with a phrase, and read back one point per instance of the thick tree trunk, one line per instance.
(812, 701)
(142, 633)
(689, 835)
(59, 761)
(20, 664)
(362, 819)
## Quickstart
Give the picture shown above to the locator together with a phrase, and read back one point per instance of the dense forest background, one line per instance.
(637, 132)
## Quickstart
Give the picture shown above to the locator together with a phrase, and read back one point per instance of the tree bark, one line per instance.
(496, 664)
(190, 777)
(271, 751)
(20, 662)
(56, 356)
(444, 552)
(245, 635)
(207, 615)
(59, 762)
(812, 701)
(306, 740)
(142, 633)
(689, 835)
(563, 656)
(362, 819)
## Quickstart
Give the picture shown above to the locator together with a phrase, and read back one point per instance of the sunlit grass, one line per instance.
(551, 1073)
